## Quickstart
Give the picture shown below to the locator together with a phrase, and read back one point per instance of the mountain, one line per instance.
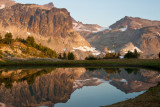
(133, 23)
(50, 26)
(129, 33)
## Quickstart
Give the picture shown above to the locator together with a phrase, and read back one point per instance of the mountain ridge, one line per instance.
(145, 38)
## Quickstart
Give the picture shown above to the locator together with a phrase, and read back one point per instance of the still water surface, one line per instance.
(73, 87)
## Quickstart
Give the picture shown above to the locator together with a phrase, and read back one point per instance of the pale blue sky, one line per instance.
(105, 12)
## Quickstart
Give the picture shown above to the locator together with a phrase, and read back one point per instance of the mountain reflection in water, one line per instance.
(70, 87)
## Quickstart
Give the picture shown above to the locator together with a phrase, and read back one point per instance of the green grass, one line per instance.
(143, 63)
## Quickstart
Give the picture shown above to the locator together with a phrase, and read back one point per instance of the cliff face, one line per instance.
(50, 26)
(39, 20)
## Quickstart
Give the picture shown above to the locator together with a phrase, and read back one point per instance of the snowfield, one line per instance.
(87, 49)
(28, 33)
(132, 50)
(81, 27)
(158, 33)
(124, 29)
(124, 80)
(2, 6)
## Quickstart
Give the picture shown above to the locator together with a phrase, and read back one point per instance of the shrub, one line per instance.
(111, 56)
(1, 54)
(30, 41)
(64, 55)
(8, 38)
(60, 56)
(91, 57)
(71, 56)
(47, 51)
(130, 54)
(0, 39)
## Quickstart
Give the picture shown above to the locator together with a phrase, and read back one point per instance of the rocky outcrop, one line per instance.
(51, 27)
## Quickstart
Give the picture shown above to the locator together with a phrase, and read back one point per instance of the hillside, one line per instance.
(20, 48)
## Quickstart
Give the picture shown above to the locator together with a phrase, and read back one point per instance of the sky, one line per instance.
(105, 12)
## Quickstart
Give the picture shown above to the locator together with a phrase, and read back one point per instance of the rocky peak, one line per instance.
(50, 5)
(133, 23)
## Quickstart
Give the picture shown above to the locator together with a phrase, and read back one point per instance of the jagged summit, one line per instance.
(133, 23)
(50, 5)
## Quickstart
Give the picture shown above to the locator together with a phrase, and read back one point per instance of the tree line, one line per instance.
(128, 55)
(29, 42)
(67, 56)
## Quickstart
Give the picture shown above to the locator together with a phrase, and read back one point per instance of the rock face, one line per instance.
(50, 26)
(143, 34)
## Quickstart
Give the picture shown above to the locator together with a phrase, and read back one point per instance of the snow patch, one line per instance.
(104, 28)
(121, 57)
(158, 33)
(86, 82)
(64, 49)
(124, 80)
(111, 51)
(100, 29)
(87, 49)
(81, 27)
(124, 29)
(28, 33)
(138, 50)
(7, 31)
(132, 50)
(109, 29)
(2, 6)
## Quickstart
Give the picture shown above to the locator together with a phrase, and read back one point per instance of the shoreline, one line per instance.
(140, 63)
